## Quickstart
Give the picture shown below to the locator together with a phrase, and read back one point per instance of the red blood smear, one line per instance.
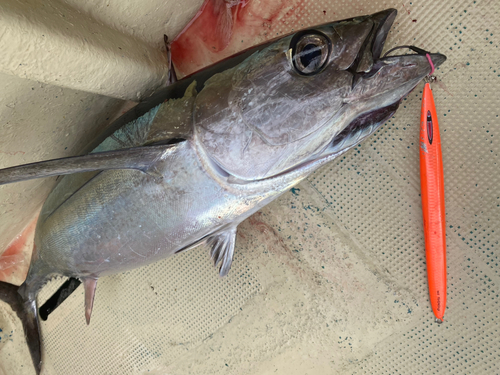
(14, 262)
(222, 28)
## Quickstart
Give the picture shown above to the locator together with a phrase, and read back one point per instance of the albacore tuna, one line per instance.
(245, 131)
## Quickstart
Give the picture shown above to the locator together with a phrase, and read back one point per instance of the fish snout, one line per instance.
(437, 59)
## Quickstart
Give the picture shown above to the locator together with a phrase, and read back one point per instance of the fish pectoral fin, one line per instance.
(89, 285)
(140, 158)
(222, 249)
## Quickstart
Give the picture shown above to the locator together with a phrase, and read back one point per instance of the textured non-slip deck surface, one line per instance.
(331, 278)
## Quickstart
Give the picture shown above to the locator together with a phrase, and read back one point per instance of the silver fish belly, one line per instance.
(141, 218)
(254, 130)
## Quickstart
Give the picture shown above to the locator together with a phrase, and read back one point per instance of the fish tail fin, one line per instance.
(26, 310)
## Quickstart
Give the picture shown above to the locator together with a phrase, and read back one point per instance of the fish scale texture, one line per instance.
(331, 278)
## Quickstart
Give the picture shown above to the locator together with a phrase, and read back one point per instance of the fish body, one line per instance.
(141, 218)
(252, 132)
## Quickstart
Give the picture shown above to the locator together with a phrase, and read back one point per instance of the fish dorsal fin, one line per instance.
(89, 284)
(222, 249)
(174, 118)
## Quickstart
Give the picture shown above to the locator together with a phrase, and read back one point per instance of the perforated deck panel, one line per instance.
(148, 317)
(331, 278)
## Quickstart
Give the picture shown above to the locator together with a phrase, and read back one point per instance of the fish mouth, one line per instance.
(369, 59)
(373, 45)
(362, 127)
(370, 71)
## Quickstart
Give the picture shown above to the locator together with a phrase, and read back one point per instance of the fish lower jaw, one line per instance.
(361, 127)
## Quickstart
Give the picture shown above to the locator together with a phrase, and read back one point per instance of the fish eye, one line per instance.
(310, 52)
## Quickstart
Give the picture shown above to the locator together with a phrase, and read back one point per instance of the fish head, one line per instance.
(312, 94)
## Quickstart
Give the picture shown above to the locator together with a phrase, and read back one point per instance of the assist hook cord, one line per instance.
(419, 51)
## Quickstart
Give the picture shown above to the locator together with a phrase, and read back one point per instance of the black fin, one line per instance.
(27, 312)
(58, 297)
(172, 76)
